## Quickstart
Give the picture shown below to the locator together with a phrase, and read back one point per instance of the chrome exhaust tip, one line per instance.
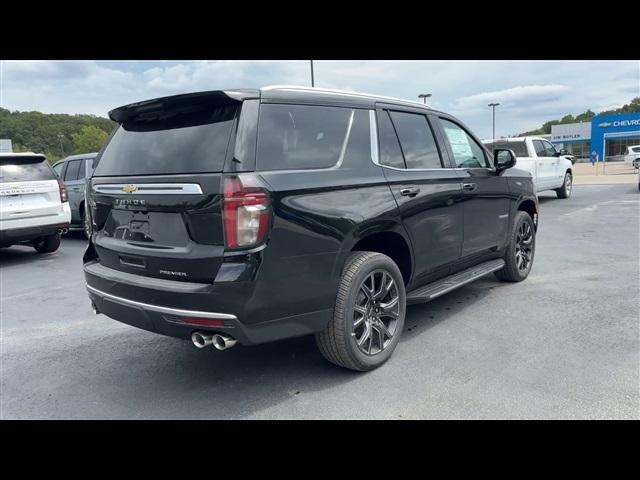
(223, 342)
(202, 339)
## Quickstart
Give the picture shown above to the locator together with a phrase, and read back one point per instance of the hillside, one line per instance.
(56, 135)
(633, 106)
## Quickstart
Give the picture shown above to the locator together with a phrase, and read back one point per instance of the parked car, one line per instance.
(550, 170)
(33, 203)
(74, 172)
(256, 215)
(632, 156)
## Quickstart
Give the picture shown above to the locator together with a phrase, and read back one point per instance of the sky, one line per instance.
(529, 92)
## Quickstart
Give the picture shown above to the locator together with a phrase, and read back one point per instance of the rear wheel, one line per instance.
(369, 313)
(48, 244)
(565, 190)
(520, 251)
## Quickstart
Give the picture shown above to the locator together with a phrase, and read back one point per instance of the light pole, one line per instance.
(424, 97)
(312, 82)
(493, 106)
(60, 136)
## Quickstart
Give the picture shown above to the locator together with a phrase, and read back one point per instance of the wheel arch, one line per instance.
(389, 238)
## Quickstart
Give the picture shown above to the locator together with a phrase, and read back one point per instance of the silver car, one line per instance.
(74, 172)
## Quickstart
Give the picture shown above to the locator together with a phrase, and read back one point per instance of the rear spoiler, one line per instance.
(26, 157)
(187, 101)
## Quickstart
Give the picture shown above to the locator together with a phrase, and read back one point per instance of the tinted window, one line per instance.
(58, 168)
(72, 170)
(539, 148)
(358, 148)
(519, 148)
(298, 136)
(390, 153)
(635, 149)
(81, 170)
(24, 170)
(174, 143)
(466, 151)
(418, 145)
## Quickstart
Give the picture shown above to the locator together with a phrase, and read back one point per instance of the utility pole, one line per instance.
(312, 82)
(494, 105)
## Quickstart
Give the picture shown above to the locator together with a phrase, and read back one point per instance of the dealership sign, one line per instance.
(620, 123)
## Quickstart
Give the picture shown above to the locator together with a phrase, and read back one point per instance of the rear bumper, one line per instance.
(17, 235)
(165, 306)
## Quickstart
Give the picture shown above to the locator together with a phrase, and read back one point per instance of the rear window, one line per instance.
(175, 143)
(292, 137)
(635, 149)
(23, 170)
(519, 148)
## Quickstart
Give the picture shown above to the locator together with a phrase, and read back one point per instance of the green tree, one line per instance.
(89, 139)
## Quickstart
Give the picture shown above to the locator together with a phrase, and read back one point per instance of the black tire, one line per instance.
(513, 271)
(48, 244)
(337, 342)
(567, 186)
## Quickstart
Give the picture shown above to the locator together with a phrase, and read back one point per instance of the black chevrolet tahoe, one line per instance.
(247, 216)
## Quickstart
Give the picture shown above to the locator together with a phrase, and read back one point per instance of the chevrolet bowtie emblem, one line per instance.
(129, 188)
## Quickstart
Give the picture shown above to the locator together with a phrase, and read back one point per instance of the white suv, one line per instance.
(34, 208)
(632, 156)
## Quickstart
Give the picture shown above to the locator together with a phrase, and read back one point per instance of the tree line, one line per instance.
(633, 106)
(54, 134)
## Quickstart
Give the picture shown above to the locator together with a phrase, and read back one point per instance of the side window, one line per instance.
(292, 137)
(89, 166)
(72, 170)
(58, 168)
(466, 151)
(549, 149)
(538, 146)
(81, 169)
(390, 152)
(416, 139)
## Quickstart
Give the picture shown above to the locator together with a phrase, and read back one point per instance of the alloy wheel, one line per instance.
(376, 312)
(524, 246)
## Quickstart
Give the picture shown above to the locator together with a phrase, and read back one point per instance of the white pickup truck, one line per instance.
(550, 170)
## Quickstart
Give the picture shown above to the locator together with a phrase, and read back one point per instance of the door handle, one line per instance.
(469, 187)
(410, 192)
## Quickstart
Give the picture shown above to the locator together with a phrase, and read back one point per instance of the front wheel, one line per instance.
(369, 313)
(520, 251)
(48, 244)
(565, 190)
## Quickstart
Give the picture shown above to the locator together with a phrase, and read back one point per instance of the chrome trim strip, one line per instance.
(373, 133)
(166, 310)
(150, 188)
(346, 140)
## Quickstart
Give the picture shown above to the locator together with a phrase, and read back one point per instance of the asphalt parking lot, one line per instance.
(562, 344)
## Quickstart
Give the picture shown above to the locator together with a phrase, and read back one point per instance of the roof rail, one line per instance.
(330, 91)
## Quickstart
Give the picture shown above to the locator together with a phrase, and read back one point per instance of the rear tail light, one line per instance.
(245, 212)
(63, 192)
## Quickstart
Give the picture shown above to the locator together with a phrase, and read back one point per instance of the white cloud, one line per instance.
(514, 97)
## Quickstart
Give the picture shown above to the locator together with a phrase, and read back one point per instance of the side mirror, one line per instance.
(564, 152)
(504, 158)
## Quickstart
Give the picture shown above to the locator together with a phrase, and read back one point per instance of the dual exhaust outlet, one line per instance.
(62, 231)
(204, 339)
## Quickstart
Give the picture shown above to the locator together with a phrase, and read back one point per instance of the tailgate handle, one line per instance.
(132, 261)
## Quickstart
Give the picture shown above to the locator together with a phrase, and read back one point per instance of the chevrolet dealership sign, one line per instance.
(620, 123)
